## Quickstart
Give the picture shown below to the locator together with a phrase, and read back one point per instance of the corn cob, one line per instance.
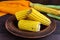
(22, 14)
(44, 8)
(59, 11)
(37, 16)
(29, 25)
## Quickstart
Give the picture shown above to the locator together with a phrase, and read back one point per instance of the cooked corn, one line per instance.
(22, 14)
(29, 25)
(37, 16)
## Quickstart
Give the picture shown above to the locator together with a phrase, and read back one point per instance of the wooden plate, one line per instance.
(11, 27)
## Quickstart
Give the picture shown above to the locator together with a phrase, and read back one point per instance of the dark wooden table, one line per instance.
(5, 35)
(54, 2)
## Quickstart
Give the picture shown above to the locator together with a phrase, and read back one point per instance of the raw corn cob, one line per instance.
(44, 8)
(37, 16)
(29, 25)
(54, 16)
(22, 14)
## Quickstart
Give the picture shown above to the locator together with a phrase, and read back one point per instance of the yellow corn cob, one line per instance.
(37, 16)
(43, 8)
(59, 11)
(22, 14)
(29, 25)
